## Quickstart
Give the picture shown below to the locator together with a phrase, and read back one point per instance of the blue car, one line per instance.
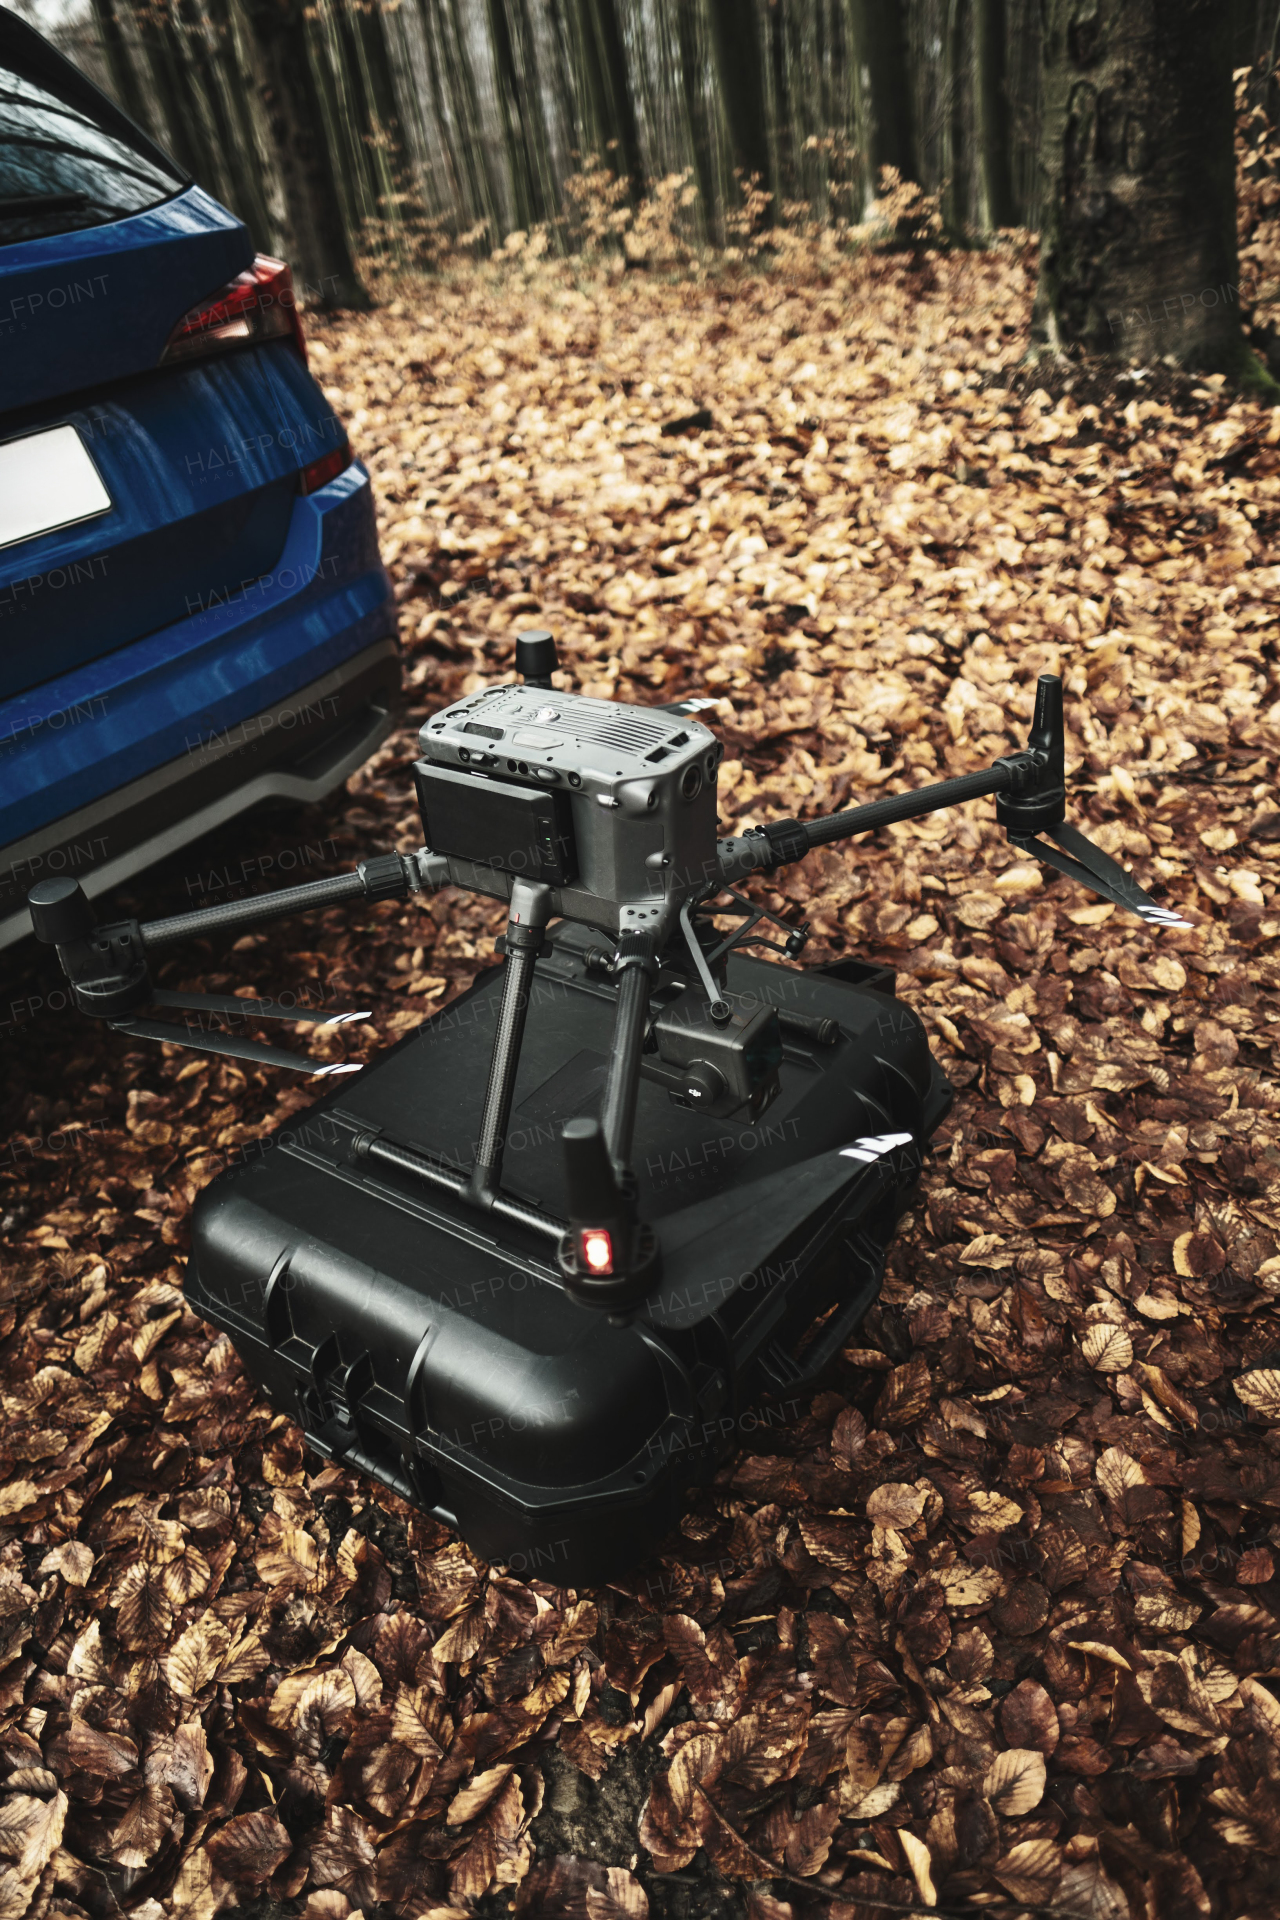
(193, 613)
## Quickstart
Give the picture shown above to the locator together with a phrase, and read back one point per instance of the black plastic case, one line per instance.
(435, 1347)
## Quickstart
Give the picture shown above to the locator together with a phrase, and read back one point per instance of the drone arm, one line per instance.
(389, 876)
(107, 965)
(1030, 790)
(783, 841)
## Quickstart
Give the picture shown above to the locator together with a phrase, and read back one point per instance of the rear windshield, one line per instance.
(59, 169)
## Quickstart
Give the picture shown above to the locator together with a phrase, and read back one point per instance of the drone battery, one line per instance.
(434, 1347)
(525, 831)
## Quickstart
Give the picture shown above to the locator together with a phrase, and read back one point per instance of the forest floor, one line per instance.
(994, 1622)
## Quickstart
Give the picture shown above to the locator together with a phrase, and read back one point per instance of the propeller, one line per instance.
(228, 1005)
(233, 1046)
(697, 703)
(1079, 859)
(1037, 804)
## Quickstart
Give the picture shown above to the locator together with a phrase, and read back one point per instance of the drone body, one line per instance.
(534, 1266)
(612, 808)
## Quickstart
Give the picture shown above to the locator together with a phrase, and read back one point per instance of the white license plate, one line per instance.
(47, 481)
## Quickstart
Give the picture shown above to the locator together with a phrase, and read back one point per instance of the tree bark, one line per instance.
(162, 50)
(319, 250)
(694, 57)
(513, 107)
(735, 33)
(991, 99)
(956, 48)
(474, 150)
(1138, 255)
(879, 38)
(124, 81)
(609, 85)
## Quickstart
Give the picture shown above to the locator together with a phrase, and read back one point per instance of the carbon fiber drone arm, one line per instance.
(389, 876)
(106, 966)
(1030, 790)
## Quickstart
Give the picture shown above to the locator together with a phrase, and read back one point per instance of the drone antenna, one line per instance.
(536, 658)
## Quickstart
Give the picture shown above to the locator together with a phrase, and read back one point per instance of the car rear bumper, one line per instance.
(300, 748)
(281, 689)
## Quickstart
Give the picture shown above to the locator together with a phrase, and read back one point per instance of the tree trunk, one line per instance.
(458, 199)
(956, 48)
(208, 34)
(124, 81)
(390, 144)
(163, 55)
(780, 108)
(534, 110)
(991, 99)
(702, 137)
(609, 85)
(318, 246)
(475, 149)
(364, 177)
(879, 30)
(735, 32)
(382, 83)
(1138, 243)
(513, 107)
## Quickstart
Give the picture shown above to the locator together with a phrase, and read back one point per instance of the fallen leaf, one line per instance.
(1028, 1717)
(1030, 1870)
(1016, 1781)
(194, 1659)
(1260, 1391)
(895, 1505)
(905, 1394)
(921, 1865)
(1107, 1348)
(249, 1848)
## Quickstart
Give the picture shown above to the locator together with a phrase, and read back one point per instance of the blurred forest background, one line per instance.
(447, 123)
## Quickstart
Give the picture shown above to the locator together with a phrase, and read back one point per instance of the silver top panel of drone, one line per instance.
(641, 785)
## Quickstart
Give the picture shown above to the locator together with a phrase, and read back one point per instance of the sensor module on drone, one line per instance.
(530, 1266)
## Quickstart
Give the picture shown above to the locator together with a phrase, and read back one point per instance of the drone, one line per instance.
(532, 1267)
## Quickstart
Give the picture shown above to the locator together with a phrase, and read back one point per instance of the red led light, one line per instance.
(597, 1249)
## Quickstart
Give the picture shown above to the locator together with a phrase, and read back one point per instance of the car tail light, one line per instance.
(596, 1244)
(320, 472)
(259, 304)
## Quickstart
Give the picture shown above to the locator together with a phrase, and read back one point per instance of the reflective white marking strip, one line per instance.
(341, 1019)
(1163, 918)
(320, 1072)
(874, 1146)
